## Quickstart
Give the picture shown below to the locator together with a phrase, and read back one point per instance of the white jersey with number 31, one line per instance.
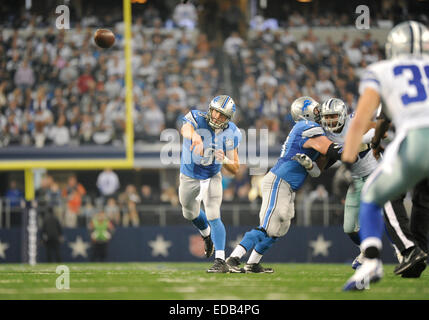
(403, 85)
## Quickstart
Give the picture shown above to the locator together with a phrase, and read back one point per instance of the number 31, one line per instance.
(414, 81)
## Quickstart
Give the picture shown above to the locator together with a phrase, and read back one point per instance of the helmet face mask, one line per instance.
(225, 108)
(410, 37)
(333, 115)
(305, 108)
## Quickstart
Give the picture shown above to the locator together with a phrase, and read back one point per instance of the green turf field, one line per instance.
(165, 281)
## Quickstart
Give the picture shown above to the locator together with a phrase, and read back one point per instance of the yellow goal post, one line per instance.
(90, 164)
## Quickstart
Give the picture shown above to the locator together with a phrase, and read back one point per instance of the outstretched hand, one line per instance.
(303, 160)
(197, 145)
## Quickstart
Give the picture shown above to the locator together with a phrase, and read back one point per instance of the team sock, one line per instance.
(371, 221)
(265, 244)
(251, 238)
(238, 252)
(202, 224)
(255, 257)
(220, 254)
(371, 229)
(218, 235)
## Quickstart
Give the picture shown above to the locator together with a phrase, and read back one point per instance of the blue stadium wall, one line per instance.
(183, 244)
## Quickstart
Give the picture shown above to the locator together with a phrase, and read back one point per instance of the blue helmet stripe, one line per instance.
(224, 103)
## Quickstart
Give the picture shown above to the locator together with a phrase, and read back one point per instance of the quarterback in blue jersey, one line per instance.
(304, 145)
(210, 141)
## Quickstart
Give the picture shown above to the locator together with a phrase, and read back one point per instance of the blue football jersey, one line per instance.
(290, 170)
(204, 167)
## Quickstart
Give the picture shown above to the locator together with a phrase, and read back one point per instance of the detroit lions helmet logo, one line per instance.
(306, 104)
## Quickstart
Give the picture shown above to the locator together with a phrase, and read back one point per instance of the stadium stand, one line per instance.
(58, 89)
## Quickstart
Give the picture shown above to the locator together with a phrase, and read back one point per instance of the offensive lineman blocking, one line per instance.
(304, 144)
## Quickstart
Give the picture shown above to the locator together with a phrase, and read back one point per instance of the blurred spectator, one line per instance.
(324, 87)
(185, 15)
(108, 183)
(129, 194)
(14, 195)
(233, 44)
(130, 216)
(153, 121)
(24, 76)
(101, 230)
(320, 193)
(52, 236)
(113, 212)
(169, 195)
(73, 193)
(87, 212)
(147, 195)
(231, 18)
(60, 134)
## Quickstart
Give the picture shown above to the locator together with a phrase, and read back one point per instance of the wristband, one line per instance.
(315, 171)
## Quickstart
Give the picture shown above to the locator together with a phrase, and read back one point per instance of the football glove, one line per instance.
(346, 173)
(303, 160)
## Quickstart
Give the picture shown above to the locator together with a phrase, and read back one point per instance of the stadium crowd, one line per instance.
(57, 87)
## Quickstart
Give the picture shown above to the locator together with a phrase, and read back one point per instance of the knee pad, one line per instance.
(189, 214)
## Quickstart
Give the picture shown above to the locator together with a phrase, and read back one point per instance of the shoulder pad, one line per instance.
(313, 131)
(190, 117)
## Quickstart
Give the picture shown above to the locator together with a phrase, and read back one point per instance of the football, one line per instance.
(104, 38)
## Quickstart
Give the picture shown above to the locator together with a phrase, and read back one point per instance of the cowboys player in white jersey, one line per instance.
(210, 141)
(335, 121)
(402, 83)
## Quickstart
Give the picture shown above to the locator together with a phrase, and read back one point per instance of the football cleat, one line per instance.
(415, 271)
(234, 265)
(409, 261)
(357, 262)
(208, 246)
(219, 266)
(256, 268)
(370, 271)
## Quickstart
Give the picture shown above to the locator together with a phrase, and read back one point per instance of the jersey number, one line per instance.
(208, 157)
(415, 81)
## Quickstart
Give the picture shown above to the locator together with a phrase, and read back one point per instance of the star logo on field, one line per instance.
(159, 246)
(79, 247)
(3, 247)
(320, 246)
(234, 243)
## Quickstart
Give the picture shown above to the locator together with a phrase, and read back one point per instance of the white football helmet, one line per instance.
(226, 106)
(331, 107)
(409, 37)
(305, 108)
